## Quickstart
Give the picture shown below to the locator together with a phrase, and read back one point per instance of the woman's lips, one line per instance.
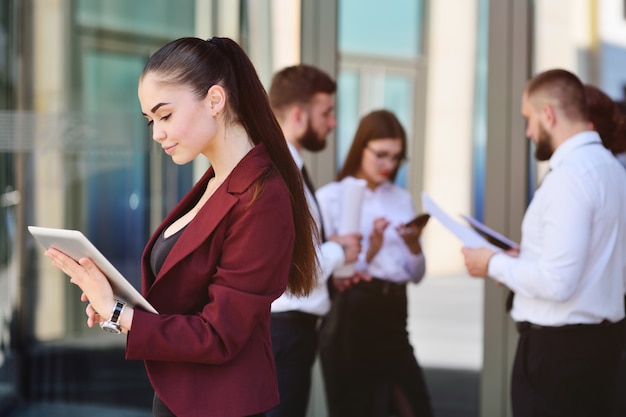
(169, 149)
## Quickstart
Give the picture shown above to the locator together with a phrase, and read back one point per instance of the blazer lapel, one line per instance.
(201, 227)
(249, 169)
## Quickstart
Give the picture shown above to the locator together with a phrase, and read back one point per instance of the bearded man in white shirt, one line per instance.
(568, 277)
(302, 98)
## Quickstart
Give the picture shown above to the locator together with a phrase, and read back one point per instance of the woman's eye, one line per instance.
(163, 118)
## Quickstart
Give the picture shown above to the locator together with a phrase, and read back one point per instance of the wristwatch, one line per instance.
(112, 325)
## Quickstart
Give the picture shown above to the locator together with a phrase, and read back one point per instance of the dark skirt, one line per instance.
(367, 358)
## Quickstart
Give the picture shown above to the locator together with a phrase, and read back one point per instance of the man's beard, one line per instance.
(311, 141)
(543, 148)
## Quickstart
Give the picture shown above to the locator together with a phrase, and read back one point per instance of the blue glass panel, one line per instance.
(479, 145)
(115, 160)
(159, 18)
(372, 27)
(347, 112)
(613, 75)
(398, 99)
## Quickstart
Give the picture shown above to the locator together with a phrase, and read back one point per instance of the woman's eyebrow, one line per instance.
(155, 108)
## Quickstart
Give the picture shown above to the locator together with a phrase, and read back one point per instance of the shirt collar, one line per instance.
(380, 188)
(580, 139)
(296, 156)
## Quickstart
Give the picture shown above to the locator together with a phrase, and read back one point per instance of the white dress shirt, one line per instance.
(572, 262)
(621, 157)
(394, 261)
(330, 256)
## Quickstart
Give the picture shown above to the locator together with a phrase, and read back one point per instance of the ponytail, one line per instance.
(202, 64)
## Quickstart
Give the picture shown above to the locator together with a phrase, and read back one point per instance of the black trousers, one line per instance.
(567, 371)
(367, 359)
(294, 344)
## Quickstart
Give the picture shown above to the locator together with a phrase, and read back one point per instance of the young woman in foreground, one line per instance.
(225, 252)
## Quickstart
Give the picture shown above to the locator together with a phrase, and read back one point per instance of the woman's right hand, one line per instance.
(376, 237)
(351, 245)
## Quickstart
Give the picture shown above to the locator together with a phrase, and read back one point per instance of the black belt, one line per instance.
(384, 287)
(523, 326)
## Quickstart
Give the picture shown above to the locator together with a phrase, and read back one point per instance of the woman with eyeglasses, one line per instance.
(369, 365)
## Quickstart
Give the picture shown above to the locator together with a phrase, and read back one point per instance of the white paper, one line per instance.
(490, 232)
(466, 234)
(351, 201)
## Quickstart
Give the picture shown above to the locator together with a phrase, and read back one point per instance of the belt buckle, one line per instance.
(386, 285)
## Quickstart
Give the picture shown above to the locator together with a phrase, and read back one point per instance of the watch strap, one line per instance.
(117, 311)
(112, 324)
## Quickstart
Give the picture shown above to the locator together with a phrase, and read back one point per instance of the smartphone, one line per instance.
(419, 221)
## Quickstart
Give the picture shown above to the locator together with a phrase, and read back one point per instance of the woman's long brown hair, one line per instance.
(202, 64)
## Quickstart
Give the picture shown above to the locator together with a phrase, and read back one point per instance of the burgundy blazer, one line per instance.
(208, 351)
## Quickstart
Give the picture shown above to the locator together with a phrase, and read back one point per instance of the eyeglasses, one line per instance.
(381, 156)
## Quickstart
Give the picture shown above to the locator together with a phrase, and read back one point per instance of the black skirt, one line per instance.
(366, 354)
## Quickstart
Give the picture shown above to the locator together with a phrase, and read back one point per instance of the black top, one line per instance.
(162, 248)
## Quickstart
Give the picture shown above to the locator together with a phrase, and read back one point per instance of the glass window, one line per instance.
(116, 160)
(378, 68)
(347, 111)
(162, 19)
(371, 27)
(97, 142)
(9, 200)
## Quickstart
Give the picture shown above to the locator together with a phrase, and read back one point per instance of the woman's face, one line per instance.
(379, 159)
(181, 124)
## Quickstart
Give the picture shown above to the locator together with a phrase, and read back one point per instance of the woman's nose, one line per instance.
(158, 135)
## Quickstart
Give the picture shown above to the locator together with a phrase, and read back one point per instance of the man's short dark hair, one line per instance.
(565, 88)
(297, 85)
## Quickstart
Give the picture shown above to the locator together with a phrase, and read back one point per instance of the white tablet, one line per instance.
(74, 244)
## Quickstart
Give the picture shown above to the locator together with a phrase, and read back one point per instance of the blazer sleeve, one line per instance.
(252, 271)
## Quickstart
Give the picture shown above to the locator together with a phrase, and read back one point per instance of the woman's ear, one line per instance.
(216, 97)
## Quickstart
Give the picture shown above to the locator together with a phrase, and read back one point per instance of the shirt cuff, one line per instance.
(497, 267)
(333, 256)
(416, 266)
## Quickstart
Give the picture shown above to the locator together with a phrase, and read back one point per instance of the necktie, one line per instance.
(309, 185)
(308, 182)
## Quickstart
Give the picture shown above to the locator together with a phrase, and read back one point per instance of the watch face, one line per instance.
(110, 327)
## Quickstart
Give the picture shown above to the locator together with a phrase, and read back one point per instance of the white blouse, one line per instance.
(393, 262)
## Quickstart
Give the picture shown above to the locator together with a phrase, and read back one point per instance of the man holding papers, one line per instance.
(568, 276)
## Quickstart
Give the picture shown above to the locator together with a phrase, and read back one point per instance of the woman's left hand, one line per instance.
(94, 284)
(411, 236)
